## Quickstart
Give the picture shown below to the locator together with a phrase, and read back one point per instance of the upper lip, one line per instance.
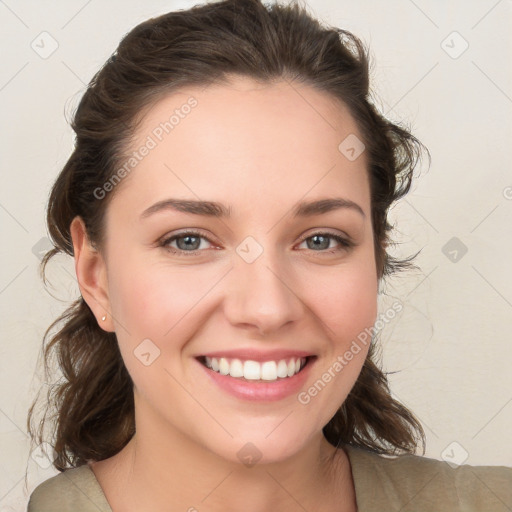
(258, 355)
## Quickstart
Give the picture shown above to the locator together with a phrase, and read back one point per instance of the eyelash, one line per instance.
(345, 244)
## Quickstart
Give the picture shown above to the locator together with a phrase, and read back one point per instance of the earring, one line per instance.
(104, 317)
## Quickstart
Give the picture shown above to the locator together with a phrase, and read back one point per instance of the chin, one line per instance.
(258, 449)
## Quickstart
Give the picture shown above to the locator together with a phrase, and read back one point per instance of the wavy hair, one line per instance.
(92, 405)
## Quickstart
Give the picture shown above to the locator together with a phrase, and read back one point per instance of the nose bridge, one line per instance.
(263, 292)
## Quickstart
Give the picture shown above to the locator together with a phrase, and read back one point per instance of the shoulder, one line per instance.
(74, 490)
(412, 482)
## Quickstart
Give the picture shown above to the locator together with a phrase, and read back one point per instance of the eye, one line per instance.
(188, 243)
(321, 241)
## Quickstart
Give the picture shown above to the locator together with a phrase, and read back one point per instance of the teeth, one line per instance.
(253, 370)
(223, 366)
(236, 369)
(282, 369)
(269, 370)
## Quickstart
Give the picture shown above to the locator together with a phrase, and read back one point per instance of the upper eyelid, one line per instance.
(186, 232)
(320, 231)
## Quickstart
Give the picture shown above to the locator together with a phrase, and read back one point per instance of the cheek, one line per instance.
(346, 304)
(153, 306)
(346, 300)
(150, 299)
(158, 301)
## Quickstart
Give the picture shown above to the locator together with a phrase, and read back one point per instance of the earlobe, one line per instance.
(91, 274)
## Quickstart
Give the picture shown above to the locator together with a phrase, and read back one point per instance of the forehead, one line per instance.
(281, 138)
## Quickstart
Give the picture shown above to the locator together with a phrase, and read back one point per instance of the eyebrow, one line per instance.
(218, 210)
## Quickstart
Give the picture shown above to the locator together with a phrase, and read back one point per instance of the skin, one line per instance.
(259, 149)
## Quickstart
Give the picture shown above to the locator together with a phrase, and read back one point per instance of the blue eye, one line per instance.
(188, 243)
(319, 239)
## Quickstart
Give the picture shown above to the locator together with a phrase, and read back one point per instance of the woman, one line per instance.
(226, 206)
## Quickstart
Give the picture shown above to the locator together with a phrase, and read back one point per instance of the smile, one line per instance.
(264, 384)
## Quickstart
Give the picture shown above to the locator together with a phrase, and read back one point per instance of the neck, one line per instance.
(164, 469)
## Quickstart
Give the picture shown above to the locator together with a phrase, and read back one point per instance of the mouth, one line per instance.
(253, 371)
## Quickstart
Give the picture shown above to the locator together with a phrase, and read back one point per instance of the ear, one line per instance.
(91, 273)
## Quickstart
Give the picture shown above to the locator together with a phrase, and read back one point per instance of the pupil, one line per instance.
(325, 239)
(188, 244)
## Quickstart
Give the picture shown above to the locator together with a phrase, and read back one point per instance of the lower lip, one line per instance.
(269, 391)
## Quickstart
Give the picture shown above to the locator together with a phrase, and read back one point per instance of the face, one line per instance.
(265, 278)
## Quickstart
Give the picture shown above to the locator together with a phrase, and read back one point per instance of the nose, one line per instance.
(263, 295)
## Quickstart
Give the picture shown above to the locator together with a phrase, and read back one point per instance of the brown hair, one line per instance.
(203, 45)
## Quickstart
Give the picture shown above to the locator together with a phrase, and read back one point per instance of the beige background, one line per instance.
(451, 346)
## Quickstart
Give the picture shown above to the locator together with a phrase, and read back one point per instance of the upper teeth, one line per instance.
(253, 370)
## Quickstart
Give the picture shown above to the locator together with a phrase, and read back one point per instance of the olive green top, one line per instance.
(408, 483)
